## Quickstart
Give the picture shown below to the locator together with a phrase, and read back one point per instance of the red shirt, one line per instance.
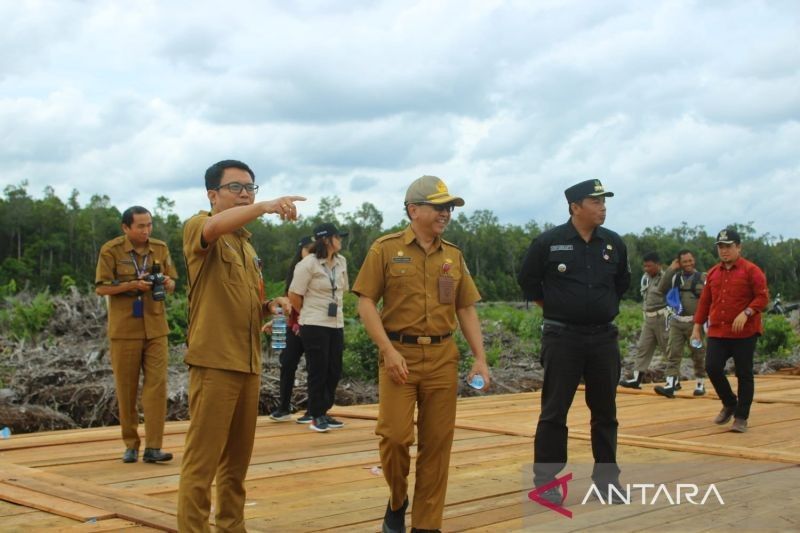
(727, 293)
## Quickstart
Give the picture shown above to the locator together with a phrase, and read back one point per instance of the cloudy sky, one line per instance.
(687, 110)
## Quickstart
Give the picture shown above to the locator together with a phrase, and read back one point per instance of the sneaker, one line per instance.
(305, 419)
(395, 521)
(739, 425)
(319, 424)
(279, 415)
(678, 385)
(130, 456)
(155, 455)
(699, 391)
(333, 423)
(725, 415)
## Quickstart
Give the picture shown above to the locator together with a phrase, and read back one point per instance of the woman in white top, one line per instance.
(320, 281)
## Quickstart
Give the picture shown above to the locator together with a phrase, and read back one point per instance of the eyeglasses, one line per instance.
(236, 188)
(440, 207)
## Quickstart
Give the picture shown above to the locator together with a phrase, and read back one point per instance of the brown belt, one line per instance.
(417, 339)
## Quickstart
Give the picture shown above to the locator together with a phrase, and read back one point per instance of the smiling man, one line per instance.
(427, 292)
(226, 308)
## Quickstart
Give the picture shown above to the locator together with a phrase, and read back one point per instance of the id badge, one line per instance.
(333, 307)
(138, 308)
(447, 290)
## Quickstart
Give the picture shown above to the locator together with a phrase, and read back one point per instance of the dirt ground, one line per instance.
(64, 380)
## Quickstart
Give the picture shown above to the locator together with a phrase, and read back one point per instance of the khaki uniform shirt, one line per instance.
(116, 265)
(312, 281)
(225, 299)
(652, 297)
(689, 299)
(399, 270)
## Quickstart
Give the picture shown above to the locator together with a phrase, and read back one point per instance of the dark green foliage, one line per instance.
(23, 317)
(778, 338)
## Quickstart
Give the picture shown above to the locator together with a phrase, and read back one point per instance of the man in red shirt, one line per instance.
(733, 298)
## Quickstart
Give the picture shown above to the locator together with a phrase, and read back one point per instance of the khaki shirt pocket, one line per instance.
(125, 272)
(234, 267)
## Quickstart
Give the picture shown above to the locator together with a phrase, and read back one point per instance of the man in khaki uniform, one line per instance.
(226, 307)
(425, 286)
(683, 276)
(137, 329)
(654, 328)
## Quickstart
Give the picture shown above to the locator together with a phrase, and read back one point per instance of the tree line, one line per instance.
(47, 243)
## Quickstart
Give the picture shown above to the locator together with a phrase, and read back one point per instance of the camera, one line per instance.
(157, 279)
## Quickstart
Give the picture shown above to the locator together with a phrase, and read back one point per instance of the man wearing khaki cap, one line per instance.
(427, 292)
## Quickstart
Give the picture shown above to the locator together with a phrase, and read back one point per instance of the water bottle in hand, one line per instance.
(476, 382)
(696, 343)
(278, 330)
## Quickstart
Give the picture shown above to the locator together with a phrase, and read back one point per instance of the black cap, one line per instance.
(327, 230)
(581, 190)
(305, 241)
(728, 236)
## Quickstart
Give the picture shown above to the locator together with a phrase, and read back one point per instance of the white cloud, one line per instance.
(509, 101)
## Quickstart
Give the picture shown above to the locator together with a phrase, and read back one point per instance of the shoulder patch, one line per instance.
(157, 242)
(448, 243)
(389, 236)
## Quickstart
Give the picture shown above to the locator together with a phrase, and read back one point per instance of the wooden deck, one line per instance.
(303, 481)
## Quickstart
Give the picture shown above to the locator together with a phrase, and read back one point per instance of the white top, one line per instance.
(312, 280)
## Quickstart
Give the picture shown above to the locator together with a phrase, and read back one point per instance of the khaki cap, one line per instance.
(430, 190)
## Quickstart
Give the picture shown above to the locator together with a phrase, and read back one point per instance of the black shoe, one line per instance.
(615, 497)
(155, 455)
(280, 415)
(678, 385)
(635, 383)
(395, 521)
(130, 456)
(552, 495)
(669, 389)
(319, 424)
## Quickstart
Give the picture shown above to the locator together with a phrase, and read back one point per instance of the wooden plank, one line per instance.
(50, 504)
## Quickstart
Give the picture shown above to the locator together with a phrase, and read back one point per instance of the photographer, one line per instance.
(137, 328)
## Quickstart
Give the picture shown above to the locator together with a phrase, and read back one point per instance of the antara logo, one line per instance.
(648, 494)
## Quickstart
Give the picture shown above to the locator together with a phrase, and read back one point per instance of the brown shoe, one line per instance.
(725, 415)
(739, 425)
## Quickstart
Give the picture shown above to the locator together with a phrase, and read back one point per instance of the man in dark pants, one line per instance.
(732, 300)
(577, 273)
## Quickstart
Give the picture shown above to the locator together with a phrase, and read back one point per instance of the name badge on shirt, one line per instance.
(401, 259)
(561, 248)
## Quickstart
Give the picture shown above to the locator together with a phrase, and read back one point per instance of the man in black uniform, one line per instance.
(577, 273)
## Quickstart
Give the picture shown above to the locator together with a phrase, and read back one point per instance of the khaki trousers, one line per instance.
(432, 386)
(223, 406)
(679, 335)
(654, 334)
(129, 358)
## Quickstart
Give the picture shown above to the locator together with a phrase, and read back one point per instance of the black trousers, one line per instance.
(289, 358)
(569, 355)
(324, 348)
(717, 354)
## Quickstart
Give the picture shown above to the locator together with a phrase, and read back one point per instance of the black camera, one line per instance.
(157, 279)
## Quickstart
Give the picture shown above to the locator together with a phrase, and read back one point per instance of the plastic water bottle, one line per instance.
(476, 382)
(696, 343)
(5, 433)
(278, 330)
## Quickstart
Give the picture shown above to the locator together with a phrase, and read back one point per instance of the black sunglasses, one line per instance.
(440, 207)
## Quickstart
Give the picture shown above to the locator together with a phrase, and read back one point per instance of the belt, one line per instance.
(679, 318)
(660, 312)
(580, 328)
(418, 339)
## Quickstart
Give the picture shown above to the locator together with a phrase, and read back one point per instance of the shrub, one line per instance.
(26, 319)
(778, 337)
(360, 358)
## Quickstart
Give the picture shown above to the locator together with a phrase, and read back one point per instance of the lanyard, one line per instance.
(140, 271)
(332, 278)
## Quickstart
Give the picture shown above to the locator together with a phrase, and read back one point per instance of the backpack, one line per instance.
(673, 296)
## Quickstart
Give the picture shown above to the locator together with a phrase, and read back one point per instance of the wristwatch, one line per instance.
(748, 312)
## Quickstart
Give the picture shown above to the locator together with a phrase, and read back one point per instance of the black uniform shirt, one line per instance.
(580, 282)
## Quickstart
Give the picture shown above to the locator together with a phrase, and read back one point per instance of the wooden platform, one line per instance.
(304, 481)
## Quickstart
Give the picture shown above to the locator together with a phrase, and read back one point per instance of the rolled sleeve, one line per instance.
(370, 281)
